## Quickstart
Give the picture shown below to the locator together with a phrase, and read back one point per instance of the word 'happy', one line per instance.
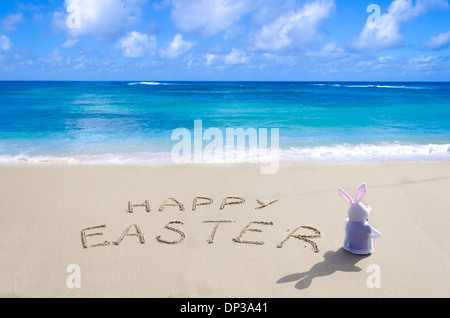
(197, 202)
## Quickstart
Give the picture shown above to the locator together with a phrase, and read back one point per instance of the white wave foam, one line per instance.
(103, 159)
(402, 87)
(340, 153)
(385, 86)
(147, 83)
(361, 86)
(368, 153)
(372, 86)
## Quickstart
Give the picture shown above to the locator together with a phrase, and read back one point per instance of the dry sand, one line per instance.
(173, 253)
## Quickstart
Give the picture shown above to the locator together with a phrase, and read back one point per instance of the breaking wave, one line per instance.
(340, 153)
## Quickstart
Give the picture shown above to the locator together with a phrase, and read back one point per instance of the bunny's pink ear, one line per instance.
(345, 195)
(361, 191)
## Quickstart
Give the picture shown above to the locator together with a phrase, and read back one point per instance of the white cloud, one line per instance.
(54, 58)
(176, 48)
(440, 41)
(136, 45)
(295, 28)
(388, 35)
(9, 23)
(209, 59)
(5, 43)
(425, 63)
(161, 5)
(423, 59)
(209, 17)
(386, 59)
(330, 50)
(70, 43)
(103, 19)
(237, 57)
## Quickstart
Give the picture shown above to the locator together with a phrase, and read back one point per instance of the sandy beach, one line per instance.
(221, 231)
(192, 151)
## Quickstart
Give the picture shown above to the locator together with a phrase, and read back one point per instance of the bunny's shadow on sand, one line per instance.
(334, 261)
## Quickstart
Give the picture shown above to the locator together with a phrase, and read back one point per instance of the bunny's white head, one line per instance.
(358, 211)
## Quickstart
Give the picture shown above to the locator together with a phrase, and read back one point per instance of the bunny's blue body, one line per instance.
(358, 237)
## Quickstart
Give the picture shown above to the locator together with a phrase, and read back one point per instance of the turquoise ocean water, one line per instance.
(132, 122)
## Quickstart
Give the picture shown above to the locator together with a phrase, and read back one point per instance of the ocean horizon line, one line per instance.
(222, 81)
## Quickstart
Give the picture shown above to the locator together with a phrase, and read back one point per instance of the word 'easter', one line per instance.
(135, 231)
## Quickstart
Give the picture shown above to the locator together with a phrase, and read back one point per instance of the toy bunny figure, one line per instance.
(359, 234)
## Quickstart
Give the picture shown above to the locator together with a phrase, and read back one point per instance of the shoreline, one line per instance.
(215, 165)
(360, 153)
(208, 251)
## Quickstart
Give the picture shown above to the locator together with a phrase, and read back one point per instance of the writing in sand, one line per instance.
(134, 230)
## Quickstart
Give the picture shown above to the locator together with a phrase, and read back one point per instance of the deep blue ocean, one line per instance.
(132, 122)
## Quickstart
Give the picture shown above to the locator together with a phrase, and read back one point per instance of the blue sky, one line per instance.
(292, 40)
